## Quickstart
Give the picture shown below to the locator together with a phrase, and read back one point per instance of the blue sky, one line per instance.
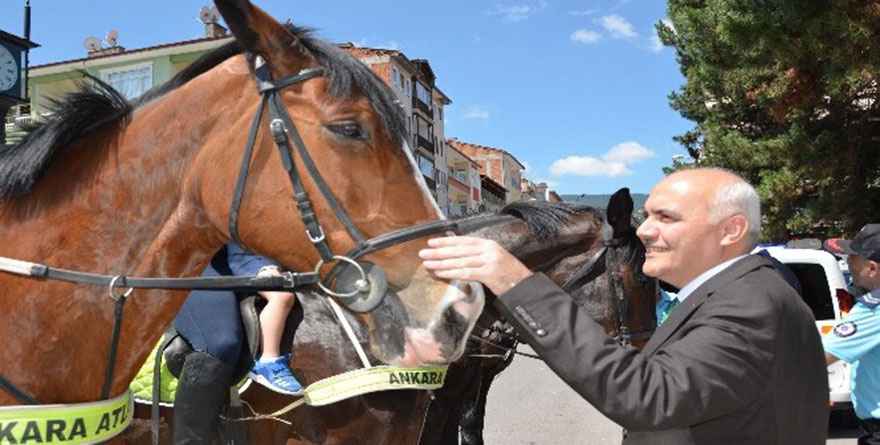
(576, 90)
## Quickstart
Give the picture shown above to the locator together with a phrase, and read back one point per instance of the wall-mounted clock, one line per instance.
(9, 70)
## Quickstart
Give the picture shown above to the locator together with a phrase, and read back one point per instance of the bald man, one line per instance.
(738, 361)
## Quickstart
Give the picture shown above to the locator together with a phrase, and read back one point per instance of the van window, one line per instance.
(816, 292)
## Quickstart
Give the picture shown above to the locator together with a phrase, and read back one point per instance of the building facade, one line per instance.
(499, 165)
(413, 81)
(131, 73)
(464, 183)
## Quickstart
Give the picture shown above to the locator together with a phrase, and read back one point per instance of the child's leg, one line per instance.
(272, 321)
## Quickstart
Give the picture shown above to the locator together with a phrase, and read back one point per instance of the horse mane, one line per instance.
(545, 217)
(93, 106)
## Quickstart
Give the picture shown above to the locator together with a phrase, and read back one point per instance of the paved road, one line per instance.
(528, 404)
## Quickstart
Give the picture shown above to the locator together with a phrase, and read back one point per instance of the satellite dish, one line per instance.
(92, 44)
(209, 15)
(111, 37)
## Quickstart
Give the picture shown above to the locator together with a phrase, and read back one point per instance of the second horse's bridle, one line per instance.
(624, 334)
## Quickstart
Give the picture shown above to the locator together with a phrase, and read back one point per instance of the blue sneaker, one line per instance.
(276, 376)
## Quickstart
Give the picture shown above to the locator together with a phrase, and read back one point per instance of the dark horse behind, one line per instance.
(458, 410)
(556, 239)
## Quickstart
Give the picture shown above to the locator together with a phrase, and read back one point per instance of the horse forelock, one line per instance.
(97, 104)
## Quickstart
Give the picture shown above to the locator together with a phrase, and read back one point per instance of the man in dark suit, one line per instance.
(738, 361)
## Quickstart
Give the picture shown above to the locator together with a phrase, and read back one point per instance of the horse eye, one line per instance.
(350, 130)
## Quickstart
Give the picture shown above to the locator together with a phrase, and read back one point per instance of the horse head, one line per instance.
(596, 255)
(346, 138)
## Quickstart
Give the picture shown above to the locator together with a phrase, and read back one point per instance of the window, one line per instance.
(426, 166)
(423, 94)
(461, 175)
(815, 286)
(475, 178)
(408, 89)
(439, 112)
(395, 77)
(423, 128)
(130, 81)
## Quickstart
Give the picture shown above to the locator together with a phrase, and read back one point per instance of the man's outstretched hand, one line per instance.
(474, 259)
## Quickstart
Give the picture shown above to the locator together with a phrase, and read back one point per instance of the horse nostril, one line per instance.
(469, 292)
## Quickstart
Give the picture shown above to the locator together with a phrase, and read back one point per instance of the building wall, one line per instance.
(401, 77)
(54, 80)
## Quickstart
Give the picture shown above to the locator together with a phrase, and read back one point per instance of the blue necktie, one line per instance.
(667, 310)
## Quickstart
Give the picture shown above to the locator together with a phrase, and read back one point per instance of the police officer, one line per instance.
(856, 339)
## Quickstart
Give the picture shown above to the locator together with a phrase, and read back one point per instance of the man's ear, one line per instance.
(873, 268)
(735, 228)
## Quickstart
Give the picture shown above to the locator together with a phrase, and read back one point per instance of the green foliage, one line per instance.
(785, 92)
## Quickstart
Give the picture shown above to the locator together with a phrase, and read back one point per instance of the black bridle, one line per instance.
(621, 304)
(360, 286)
(366, 281)
(624, 335)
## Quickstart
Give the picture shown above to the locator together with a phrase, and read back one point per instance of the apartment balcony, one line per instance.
(425, 144)
(425, 108)
(460, 185)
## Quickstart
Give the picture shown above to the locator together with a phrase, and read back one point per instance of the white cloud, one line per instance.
(583, 13)
(476, 112)
(655, 44)
(517, 13)
(365, 43)
(628, 153)
(611, 164)
(587, 166)
(585, 36)
(618, 27)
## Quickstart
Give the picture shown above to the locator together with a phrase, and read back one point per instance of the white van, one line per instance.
(825, 291)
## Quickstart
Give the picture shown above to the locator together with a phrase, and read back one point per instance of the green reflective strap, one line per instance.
(367, 380)
(69, 423)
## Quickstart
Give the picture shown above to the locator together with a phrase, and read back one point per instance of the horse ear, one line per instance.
(260, 34)
(620, 208)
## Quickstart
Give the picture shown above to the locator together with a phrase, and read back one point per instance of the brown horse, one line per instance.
(144, 189)
(554, 238)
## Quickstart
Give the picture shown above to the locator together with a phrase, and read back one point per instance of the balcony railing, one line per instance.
(419, 105)
(461, 185)
(424, 143)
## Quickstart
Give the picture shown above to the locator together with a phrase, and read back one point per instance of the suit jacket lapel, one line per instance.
(683, 311)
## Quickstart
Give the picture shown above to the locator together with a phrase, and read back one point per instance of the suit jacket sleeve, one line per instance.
(717, 367)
